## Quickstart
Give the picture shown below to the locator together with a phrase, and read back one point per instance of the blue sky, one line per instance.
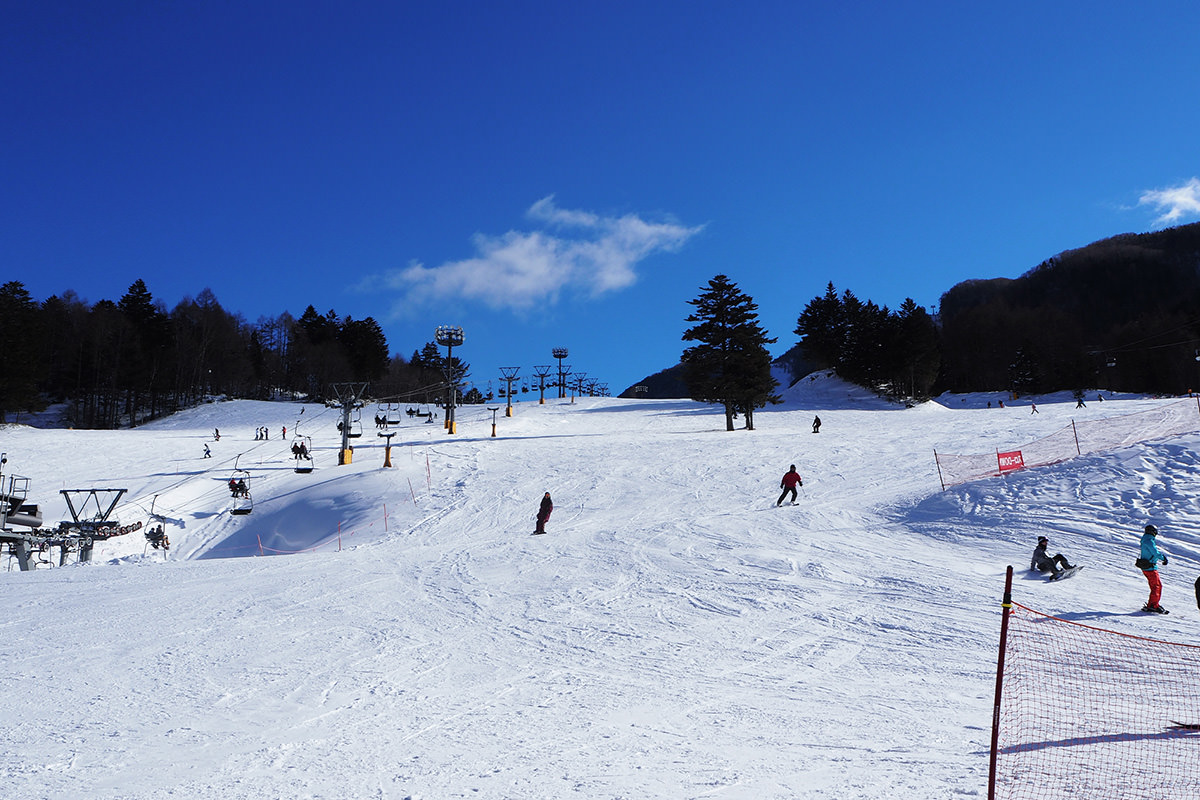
(570, 174)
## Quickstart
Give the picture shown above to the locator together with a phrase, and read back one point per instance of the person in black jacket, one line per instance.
(543, 514)
(1043, 562)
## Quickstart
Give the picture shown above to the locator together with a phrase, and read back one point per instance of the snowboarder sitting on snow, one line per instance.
(789, 483)
(543, 515)
(1042, 562)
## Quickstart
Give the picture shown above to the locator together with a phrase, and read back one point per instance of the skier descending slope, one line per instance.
(789, 483)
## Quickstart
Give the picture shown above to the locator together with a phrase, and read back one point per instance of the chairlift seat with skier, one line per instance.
(302, 452)
(239, 489)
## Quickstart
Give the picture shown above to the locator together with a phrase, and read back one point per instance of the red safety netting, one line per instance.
(1089, 436)
(1091, 713)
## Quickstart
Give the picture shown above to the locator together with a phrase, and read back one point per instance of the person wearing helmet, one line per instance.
(1043, 562)
(1150, 558)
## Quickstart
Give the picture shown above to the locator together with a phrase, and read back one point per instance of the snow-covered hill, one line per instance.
(675, 635)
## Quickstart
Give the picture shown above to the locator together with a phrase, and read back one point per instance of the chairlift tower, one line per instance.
(560, 353)
(450, 336)
(541, 373)
(350, 397)
(510, 375)
(387, 449)
(577, 385)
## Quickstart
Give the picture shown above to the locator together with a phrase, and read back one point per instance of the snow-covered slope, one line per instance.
(674, 635)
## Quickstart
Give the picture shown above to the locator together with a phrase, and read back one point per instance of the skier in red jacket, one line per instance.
(789, 483)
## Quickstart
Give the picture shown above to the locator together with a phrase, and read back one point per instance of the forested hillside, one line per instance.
(1123, 313)
(125, 362)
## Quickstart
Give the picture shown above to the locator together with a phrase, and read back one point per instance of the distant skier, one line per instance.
(216, 434)
(1151, 556)
(207, 452)
(816, 424)
(1043, 562)
(790, 481)
(1033, 406)
(543, 514)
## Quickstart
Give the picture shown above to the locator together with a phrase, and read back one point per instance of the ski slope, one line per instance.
(675, 635)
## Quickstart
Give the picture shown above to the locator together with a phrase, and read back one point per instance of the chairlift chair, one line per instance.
(156, 535)
(243, 502)
(302, 451)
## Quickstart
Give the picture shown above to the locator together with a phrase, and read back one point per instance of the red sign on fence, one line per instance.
(1010, 460)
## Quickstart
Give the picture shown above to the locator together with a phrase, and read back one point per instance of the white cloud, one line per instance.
(573, 251)
(1174, 203)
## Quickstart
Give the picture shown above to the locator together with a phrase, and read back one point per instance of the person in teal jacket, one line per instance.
(1151, 557)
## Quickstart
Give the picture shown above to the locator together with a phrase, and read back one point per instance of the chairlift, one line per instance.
(356, 424)
(393, 414)
(302, 452)
(239, 489)
(156, 534)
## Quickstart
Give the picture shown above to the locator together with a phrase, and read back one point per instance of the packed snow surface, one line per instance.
(674, 635)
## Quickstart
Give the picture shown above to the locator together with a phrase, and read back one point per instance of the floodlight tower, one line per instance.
(450, 336)
(541, 373)
(560, 353)
(510, 375)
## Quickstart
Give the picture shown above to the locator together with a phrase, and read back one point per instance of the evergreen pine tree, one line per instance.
(731, 364)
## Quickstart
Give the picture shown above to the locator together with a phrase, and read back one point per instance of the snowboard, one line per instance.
(1198, 592)
(1161, 610)
(1191, 726)
(1066, 573)
(538, 533)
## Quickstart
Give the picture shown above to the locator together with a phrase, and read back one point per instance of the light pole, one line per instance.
(449, 336)
(560, 353)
